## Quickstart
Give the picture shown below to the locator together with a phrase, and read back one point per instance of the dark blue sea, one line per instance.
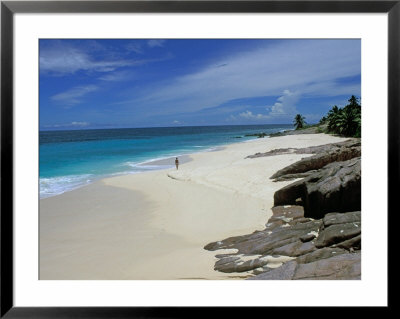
(70, 159)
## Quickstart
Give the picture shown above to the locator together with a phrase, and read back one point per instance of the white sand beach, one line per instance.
(154, 225)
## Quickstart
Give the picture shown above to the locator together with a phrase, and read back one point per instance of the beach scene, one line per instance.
(200, 159)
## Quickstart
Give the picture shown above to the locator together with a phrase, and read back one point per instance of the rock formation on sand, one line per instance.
(324, 154)
(335, 187)
(321, 239)
(314, 129)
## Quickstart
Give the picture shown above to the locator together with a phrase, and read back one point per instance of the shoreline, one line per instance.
(154, 225)
(158, 161)
(168, 162)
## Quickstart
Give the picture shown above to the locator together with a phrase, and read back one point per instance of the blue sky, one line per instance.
(150, 83)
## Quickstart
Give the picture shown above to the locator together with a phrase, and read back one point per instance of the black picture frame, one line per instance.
(9, 8)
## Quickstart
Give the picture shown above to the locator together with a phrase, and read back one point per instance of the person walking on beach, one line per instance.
(176, 163)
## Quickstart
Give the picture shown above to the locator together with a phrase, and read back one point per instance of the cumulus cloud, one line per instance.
(248, 115)
(285, 106)
(283, 109)
(74, 95)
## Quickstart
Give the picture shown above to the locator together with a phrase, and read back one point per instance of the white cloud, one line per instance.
(74, 95)
(286, 105)
(310, 67)
(135, 47)
(284, 109)
(155, 43)
(79, 123)
(248, 115)
(67, 59)
(71, 60)
(116, 76)
(65, 125)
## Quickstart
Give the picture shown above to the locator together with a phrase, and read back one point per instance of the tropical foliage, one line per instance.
(345, 121)
(299, 121)
(323, 120)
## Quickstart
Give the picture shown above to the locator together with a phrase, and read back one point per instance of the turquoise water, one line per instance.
(70, 159)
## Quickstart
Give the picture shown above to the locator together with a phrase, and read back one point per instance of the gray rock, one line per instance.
(295, 240)
(337, 187)
(220, 256)
(284, 272)
(324, 236)
(278, 238)
(340, 151)
(341, 267)
(226, 260)
(351, 244)
(323, 155)
(232, 241)
(274, 235)
(307, 237)
(240, 266)
(342, 218)
(344, 266)
(288, 211)
(290, 193)
(295, 249)
(270, 226)
(261, 270)
(315, 129)
(289, 177)
(326, 252)
(276, 151)
(300, 221)
(337, 233)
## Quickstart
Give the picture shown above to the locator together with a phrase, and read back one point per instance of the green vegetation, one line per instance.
(320, 130)
(323, 120)
(299, 121)
(345, 121)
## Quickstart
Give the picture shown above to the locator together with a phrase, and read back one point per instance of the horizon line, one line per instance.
(113, 128)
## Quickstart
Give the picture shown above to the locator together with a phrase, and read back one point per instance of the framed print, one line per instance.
(164, 155)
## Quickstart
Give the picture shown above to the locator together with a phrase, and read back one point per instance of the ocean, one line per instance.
(71, 159)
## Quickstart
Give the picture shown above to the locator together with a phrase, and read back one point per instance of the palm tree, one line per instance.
(332, 118)
(358, 129)
(353, 102)
(333, 112)
(348, 122)
(323, 120)
(299, 121)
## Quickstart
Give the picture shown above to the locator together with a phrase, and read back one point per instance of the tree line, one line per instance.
(344, 121)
